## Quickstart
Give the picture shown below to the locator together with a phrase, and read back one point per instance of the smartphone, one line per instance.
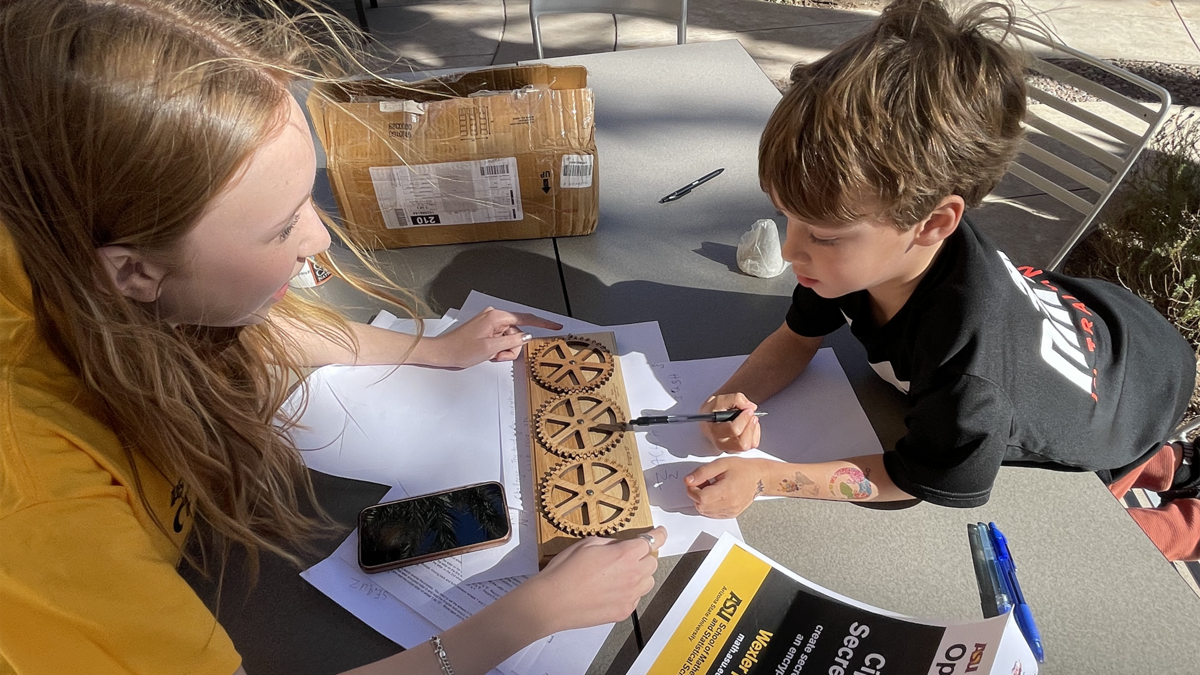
(428, 527)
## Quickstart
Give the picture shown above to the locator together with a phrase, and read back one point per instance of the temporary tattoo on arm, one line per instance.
(803, 486)
(850, 483)
(761, 488)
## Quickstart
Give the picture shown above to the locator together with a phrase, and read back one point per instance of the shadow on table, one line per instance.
(725, 254)
(695, 322)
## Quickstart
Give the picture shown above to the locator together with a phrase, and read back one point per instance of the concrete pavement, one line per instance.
(473, 33)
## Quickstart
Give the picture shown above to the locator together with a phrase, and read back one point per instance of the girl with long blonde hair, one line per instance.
(155, 180)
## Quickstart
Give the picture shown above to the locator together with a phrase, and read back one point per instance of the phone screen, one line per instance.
(422, 528)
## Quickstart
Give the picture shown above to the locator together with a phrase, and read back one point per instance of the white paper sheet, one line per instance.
(420, 428)
(438, 428)
(645, 338)
(354, 590)
(510, 463)
(388, 321)
(817, 418)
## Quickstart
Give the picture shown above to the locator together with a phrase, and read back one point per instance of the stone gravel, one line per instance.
(1181, 80)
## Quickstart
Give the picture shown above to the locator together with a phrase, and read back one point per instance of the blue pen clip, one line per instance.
(1008, 578)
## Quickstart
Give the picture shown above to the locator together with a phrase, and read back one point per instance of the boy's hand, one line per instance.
(724, 488)
(738, 435)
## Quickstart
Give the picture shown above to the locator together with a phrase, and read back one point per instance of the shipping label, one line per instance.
(449, 193)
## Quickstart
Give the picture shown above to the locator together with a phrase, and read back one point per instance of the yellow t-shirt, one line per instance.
(88, 582)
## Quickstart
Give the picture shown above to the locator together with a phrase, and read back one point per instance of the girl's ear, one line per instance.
(942, 222)
(135, 277)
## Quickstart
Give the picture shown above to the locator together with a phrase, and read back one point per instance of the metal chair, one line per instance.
(362, 14)
(671, 10)
(1124, 123)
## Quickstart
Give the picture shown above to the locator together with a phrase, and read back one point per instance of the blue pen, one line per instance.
(994, 585)
(1024, 614)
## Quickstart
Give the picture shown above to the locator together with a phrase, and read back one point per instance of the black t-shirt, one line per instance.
(1015, 366)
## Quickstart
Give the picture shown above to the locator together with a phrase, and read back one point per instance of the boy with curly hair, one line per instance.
(874, 154)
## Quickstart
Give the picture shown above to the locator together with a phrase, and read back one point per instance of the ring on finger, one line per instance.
(649, 539)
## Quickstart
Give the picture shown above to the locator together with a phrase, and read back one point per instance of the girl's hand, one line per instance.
(738, 435)
(605, 577)
(725, 487)
(491, 335)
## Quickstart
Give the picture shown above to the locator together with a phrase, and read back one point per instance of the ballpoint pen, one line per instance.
(718, 416)
(648, 420)
(1001, 600)
(1008, 570)
(992, 598)
(690, 186)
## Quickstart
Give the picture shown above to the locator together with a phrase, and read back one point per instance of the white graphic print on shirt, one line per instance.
(1060, 340)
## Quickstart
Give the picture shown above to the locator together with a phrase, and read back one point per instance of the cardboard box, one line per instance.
(508, 153)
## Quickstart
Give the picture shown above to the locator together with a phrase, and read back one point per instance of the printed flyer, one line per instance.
(742, 614)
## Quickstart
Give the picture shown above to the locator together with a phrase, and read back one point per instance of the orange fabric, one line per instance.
(1174, 527)
(1155, 475)
(87, 579)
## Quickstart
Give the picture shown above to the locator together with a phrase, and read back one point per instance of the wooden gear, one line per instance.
(571, 363)
(579, 425)
(586, 467)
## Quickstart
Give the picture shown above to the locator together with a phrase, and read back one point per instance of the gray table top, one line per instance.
(665, 117)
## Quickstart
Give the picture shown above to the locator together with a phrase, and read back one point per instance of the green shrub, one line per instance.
(1148, 236)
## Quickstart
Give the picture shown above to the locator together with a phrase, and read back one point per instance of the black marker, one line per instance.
(690, 186)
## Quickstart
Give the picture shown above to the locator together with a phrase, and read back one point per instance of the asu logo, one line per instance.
(730, 607)
(976, 657)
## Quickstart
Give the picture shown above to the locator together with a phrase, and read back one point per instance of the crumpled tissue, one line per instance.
(759, 253)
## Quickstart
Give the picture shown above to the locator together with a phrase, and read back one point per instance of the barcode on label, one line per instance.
(493, 170)
(576, 171)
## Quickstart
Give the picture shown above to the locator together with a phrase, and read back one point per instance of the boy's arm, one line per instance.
(725, 487)
(773, 365)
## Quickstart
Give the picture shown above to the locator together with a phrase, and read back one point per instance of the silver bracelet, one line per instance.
(440, 653)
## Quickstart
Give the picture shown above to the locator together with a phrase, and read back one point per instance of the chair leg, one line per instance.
(683, 22)
(362, 15)
(537, 37)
